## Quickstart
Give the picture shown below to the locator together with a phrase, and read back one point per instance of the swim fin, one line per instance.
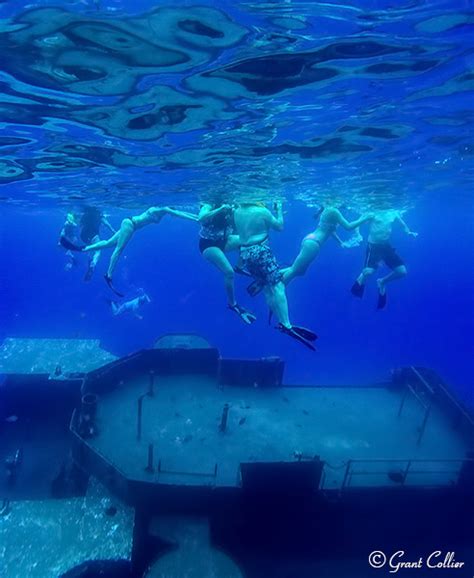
(357, 289)
(88, 274)
(240, 271)
(69, 245)
(255, 288)
(108, 280)
(382, 300)
(291, 331)
(306, 333)
(245, 315)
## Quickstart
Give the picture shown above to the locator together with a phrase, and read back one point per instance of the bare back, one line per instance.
(153, 215)
(252, 224)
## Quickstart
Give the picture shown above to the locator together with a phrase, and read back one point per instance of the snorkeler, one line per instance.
(131, 306)
(69, 231)
(329, 219)
(379, 249)
(253, 223)
(91, 221)
(121, 238)
(215, 238)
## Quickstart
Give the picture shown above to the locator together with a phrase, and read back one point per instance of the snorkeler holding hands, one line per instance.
(253, 223)
(379, 249)
(330, 218)
(121, 238)
(215, 238)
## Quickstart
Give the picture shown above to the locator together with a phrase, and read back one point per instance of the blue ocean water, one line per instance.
(128, 106)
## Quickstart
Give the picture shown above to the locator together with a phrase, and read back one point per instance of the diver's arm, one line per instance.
(351, 225)
(181, 214)
(207, 212)
(405, 227)
(277, 222)
(106, 223)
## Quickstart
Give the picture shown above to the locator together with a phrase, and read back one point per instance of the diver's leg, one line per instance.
(398, 273)
(71, 261)
(217, 257)
(308, 253)
(93, 260)
(276, 299)
(365, 274)
(125, 233)
(105, 244)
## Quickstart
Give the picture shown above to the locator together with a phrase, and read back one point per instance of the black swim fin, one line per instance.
(88, 274)
(69, 245)
(108, 280)
(241, 271)
(382, 300)
(306, 333)
(255, 288)
(291, 331)
(357, 289)
(243, 313)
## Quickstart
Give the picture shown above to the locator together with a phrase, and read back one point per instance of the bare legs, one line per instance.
(277, 302)
(309, 251)
(366, 273)
(397, 273)
(217, 257)
(358, 287)
(93, 260)
(119, 240)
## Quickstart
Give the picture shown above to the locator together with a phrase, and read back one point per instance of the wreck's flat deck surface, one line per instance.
(338, 424)
(28, 356)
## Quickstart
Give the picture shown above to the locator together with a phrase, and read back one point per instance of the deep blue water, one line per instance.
(428, 320)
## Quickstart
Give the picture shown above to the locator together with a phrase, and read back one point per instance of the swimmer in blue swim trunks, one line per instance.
(253, 223)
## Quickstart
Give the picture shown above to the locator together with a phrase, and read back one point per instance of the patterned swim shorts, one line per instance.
(260, 262)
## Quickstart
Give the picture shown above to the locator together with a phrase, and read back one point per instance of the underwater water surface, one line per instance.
(123, 106)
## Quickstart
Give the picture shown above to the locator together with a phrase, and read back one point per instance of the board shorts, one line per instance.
(377, 252)
(260, 262)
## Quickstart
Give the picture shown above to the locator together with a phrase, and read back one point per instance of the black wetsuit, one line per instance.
(91, 222)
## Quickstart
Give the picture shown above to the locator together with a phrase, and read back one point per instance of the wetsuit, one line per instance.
(91, 222)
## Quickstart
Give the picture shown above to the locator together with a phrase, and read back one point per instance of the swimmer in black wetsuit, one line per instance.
(217, 223)
(69, 231)
(91, 221)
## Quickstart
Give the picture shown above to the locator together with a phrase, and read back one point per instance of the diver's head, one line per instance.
(332, 201)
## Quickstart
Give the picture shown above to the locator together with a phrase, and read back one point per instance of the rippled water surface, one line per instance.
(128, 104)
